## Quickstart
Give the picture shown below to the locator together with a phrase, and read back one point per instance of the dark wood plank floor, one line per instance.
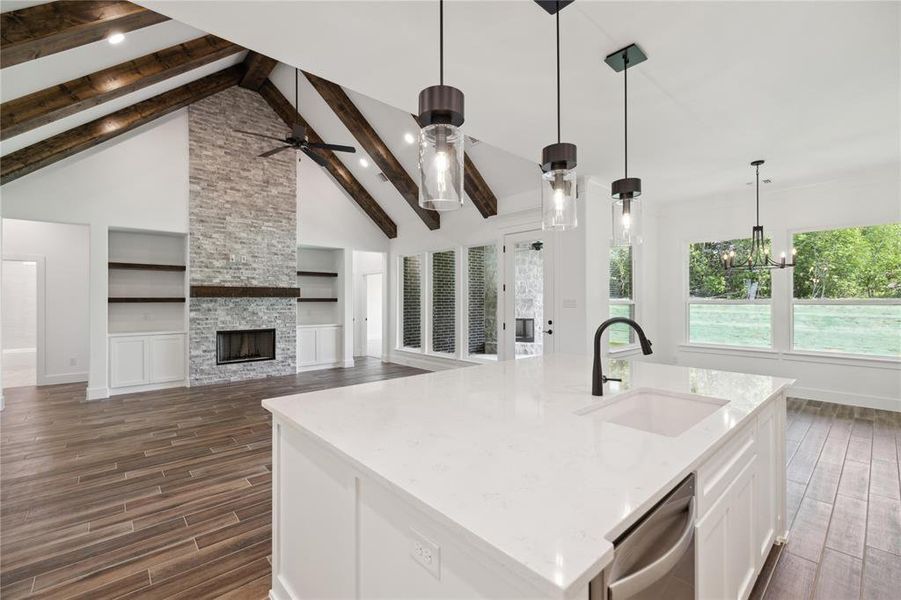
(156, 495)
(844, 505)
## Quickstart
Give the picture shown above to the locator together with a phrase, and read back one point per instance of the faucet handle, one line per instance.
(605, 379)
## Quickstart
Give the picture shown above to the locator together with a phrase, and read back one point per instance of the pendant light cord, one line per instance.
(626, 112)
(441, 39)
(757, 173)
(296, 102)
(558, 71)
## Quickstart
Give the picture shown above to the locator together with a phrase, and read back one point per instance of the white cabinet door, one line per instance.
(128, 361)
(306, 346)
(726, 545)
(167, 358)
(327, 345)
(771, 473)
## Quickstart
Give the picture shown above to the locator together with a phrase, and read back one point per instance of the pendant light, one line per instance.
(625, 191)
(558, 171)
(441, 140)
(758, 258)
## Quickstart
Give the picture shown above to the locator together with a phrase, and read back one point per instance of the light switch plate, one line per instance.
(426, 552)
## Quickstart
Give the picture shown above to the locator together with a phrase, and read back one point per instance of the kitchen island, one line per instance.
(511, 480)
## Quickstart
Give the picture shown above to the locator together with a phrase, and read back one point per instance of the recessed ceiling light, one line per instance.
(364, 163)
(409, 138)
(116, 38)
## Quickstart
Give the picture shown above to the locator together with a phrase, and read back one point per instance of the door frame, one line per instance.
(508, 290)
(40, 338)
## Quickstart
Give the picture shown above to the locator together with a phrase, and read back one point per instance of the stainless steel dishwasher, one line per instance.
(654, 558)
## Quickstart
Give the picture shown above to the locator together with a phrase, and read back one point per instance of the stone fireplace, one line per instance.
(243, 242)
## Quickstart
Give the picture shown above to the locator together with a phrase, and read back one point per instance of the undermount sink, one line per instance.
(655, 411)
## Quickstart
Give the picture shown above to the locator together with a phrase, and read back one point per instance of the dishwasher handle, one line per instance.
(632, 584)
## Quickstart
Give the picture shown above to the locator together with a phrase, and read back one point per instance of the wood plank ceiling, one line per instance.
(45, 29)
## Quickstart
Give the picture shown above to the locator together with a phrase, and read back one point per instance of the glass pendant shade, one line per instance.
(626, 222)
(441, 167)
(559, 189)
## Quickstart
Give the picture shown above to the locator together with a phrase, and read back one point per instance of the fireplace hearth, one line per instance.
(245, 345)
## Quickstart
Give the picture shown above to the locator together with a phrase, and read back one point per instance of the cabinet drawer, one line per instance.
(715, 475)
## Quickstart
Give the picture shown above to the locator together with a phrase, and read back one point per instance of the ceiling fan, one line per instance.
(297, 139)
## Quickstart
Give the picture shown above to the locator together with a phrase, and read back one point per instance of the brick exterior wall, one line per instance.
(412, 309)
(444, 317)
(482, 300)
(243, 231)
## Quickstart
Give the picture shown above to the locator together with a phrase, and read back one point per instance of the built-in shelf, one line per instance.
(145, 266)
(317, 299)
(138, 300)
(316, 274)
(225, 291)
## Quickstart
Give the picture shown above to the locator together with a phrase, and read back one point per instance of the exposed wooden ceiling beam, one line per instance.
(45, 106)
(258, 68)
(342, 175)
(45, 29)
(475, 186)
(477, 189)
(372, 144)
(46, 152)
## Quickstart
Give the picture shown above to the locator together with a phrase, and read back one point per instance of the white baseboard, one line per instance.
(150, 387)
(428, 362)
(348, 364)
(63, 378)
(97, 393)
(862, 400)
(334, 365)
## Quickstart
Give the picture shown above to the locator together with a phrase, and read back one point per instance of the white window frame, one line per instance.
(399, 345)
(464, 302)
(792, 302)
(689, 301)
(633, 301)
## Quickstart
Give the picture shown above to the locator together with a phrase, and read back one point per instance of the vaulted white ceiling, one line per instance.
(813, 87)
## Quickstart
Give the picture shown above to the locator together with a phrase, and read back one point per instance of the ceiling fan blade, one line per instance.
(316, 158)
(332, 147)
(259, 135)
(269, 153)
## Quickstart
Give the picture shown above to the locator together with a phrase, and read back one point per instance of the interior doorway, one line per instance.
(22, 317)
(373, 290)
(528, 294)
(370, 302)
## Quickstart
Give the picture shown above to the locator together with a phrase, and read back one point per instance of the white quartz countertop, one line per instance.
(498, 452)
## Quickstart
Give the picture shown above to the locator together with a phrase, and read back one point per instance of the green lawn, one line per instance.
(851, 329)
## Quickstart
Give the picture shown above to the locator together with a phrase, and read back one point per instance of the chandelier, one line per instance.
(758, 258)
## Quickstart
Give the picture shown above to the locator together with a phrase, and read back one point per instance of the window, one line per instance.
(847, 291)
(622, 299)
(482, 301)
(727, 309)
(444, 302)
(411, 299)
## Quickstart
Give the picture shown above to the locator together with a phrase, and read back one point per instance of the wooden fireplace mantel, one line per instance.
(229, 291)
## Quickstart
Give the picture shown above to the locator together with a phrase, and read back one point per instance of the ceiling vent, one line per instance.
(382, 177)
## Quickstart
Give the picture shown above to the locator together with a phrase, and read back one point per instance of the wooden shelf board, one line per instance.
(316, 274)
(317, 299)
(140, 300)
(145, 266)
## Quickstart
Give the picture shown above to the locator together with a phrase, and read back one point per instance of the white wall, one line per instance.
(137, 181)
(64, 248)
(863, 199)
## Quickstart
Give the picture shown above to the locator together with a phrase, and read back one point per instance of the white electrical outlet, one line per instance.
(426, 552)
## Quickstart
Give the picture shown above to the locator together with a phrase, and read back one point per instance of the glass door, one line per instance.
(528, 295)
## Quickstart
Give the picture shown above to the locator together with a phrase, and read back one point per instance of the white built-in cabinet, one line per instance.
(146, 359)
(319, 345)
(740, 494)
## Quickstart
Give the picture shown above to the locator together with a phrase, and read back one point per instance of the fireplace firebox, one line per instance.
(245, 345)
